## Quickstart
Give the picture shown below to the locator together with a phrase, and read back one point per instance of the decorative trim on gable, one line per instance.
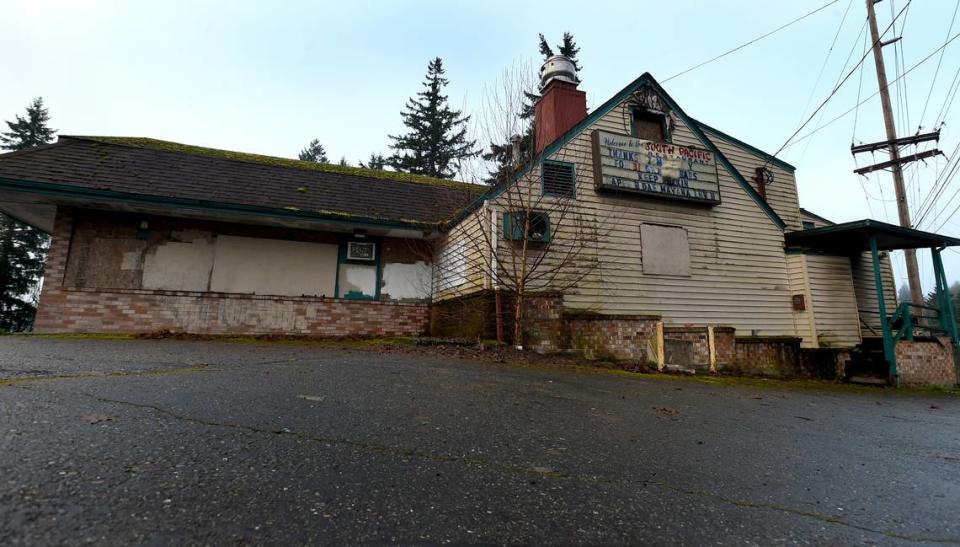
(644, 80)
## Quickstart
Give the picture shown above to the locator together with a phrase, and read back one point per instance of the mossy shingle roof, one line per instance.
(149, 167)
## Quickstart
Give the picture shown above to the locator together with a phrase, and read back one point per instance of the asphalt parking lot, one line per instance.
(181, 442)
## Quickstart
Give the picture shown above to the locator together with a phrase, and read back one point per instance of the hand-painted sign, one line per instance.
(626, 164)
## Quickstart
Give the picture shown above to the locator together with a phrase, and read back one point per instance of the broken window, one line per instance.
(649, 125)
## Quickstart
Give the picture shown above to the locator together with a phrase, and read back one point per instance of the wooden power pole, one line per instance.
(913, 274)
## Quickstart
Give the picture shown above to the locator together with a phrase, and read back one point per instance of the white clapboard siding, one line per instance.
(803, 320)
(865, 286)
(461, 258)
(781, 193)
(833, 300)
(737, 260)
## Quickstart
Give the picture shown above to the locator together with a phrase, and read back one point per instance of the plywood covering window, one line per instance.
(273, 266)
(649, 125)
(666, 250)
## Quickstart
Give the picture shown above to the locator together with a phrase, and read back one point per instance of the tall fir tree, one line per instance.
(314, 152)
(503, 164)
(436, 141)
(23, 248)
(30, 131)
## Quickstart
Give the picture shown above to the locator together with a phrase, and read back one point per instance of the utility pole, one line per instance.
(913, 274)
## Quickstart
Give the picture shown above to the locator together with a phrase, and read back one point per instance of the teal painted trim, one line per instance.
(60, 190)
(750, 148)
(946, 308)
(512, 230)
(573, 173)
(889, 345)
(342, 259)
(645, 79)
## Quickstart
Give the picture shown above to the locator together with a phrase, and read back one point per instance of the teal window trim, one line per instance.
(573, 174)
(376, 262)
(513, 231)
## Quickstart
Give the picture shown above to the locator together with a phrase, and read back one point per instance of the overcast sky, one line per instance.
(267, 77)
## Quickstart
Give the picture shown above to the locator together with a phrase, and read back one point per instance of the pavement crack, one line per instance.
(169, 371)
(475, 462)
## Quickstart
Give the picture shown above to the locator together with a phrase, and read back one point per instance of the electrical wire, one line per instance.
(926, 103)
(838, 86)
(793, 142)
(757, 39)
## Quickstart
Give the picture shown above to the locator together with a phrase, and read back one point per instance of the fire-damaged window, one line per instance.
(650, 125)
(536, 225)
(559, 179)
(665, 250)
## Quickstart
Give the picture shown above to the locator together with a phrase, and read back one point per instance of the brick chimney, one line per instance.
(561, 105)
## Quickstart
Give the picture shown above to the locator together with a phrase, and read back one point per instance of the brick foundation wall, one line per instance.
(631, 338)
(139, 311)
(767, 356)
(697, 336)
(475, 316)
(926, 362)
(73, 310)
(725, 344)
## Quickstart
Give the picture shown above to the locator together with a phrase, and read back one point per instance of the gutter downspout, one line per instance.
(494, 269)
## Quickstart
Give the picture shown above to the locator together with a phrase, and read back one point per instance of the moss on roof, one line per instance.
(168, 146)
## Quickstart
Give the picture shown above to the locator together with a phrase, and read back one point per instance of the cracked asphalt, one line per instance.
(180, 442)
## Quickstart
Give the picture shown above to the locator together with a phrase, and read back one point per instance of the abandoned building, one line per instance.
(636, 233)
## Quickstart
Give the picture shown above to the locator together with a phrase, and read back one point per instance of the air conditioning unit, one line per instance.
(362, 250)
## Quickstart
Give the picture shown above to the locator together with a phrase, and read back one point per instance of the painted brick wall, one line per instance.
(64, 309)
(926, 362)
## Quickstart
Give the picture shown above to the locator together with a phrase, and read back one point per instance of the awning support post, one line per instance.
(889, 349)
(947, 320)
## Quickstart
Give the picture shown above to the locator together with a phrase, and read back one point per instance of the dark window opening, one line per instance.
(650, 126)
(559, 179)
(807, 225)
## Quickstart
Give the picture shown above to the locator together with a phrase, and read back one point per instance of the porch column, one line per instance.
(947, 320)
(889, 349)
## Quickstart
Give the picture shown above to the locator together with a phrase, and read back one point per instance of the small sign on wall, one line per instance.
(623, 163)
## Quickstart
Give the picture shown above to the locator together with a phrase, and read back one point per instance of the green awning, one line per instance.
(854, 237)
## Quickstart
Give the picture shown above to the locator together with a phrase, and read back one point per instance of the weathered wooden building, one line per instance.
(635, 232)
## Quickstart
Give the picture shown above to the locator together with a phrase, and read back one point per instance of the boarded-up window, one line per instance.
(273, 266)
(665, 249)
(649, 125)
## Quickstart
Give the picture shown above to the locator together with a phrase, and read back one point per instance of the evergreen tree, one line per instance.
(500, 155)
(30, 131)
(22, 248)
(376, 161)
(903, 293)
(314, 152)
(343, 162)
(436, 141)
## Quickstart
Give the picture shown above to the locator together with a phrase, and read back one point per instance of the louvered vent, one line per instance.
(558, 179)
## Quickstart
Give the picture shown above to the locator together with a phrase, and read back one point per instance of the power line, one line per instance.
(757, 39)
(839, 85)
(792, 142)
(953, 20)
(816, 83)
